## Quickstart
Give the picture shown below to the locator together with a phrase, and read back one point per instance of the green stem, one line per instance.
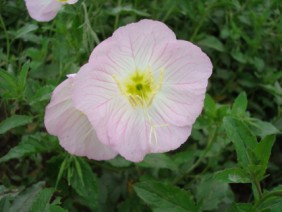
(117, 16)
(201, 158)
(257, 184)
(7, 38)
(87, 22)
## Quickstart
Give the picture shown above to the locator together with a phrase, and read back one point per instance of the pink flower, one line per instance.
(75, 133)
(142, 89)
(45, 10)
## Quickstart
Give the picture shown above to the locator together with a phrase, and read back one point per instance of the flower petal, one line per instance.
(186, 73)
(142, 39)
(72, 127)
(43, 10)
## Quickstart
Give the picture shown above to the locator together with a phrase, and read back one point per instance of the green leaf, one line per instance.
(13, 122)
(31, 144)
(41, 94)
(240, 105)
(233, 175)
(263, 151)
(120, 162)
(241, 207)
(161, 196)
(42, 199)
(211, 193)
(158, 161)
(210, 106)
(22, 32)
(242, 139)
(213, 43)
(270, 200)
(23, 76)
(86, 188)
(23, 202)
(261, 128)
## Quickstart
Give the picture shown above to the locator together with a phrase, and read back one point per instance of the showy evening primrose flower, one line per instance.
(45, 10)
(73, 129)
(141, 91)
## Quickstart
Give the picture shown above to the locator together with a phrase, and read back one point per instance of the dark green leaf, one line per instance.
(31, 144)
(42, 199)
(23, 202)
(261, 128)
(213, 43)
(88, 188)
(233, 175)
(263, 151)
(13, 122)
(161, 196)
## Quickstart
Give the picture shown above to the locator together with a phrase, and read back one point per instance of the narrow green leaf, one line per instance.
(263, 151)
(240, 104)
(61, 171)
(86, 188)
(242, 139)
(233, 175)
(23, 76)
(13, 122)
(161, 196)
(78, 169)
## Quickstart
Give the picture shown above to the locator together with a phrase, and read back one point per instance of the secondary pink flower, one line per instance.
(142, 89)
(45, 10)
(72, 127)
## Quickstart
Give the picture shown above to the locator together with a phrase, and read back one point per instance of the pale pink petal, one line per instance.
(142, 40)
(164, 136)
(72, 127)
(186, 72)
(43, 10)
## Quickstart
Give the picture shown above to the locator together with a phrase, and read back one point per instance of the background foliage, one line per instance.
(233, 159)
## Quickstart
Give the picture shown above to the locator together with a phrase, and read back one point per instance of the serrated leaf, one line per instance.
(13, 122)
(23, 202)
(161, 196)
(232, 175)
(244, 142)
(42, 199)
(211, 193)
(240, 104)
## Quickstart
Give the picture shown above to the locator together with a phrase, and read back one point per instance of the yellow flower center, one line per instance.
(140, 87)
